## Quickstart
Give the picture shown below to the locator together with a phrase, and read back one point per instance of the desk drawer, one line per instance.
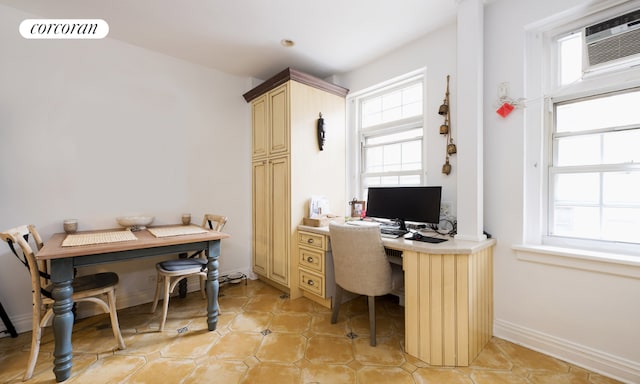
(311, 259)
(312, 240)
(311, 282)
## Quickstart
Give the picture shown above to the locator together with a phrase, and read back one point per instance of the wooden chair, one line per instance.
(361, 266)
(170, 272)
(85, 288)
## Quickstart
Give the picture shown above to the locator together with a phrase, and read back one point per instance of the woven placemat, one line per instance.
(176, 230)
(97, 238)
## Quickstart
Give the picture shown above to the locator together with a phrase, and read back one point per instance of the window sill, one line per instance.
(600, 262)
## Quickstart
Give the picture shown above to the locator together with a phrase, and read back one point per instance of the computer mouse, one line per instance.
(417, 236)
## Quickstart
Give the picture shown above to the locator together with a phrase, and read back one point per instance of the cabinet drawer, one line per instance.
(311, 259)
(312, 240)
(311, 282)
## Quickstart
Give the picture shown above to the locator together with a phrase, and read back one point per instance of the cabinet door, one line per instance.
(280, 221)
(279, 120)
(259, 124)
(260, 205)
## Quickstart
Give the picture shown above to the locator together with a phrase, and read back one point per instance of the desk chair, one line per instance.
(361, 267)
(85, 288)
(170, 272)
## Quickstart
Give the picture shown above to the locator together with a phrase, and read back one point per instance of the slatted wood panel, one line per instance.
(449, 306)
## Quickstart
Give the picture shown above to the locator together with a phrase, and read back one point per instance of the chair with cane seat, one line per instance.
(85, 288)
(170, 272)
(360, 266)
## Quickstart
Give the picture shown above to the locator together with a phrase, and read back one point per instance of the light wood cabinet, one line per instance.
(289, 168)
(260, 222)
(270, 123)
(315, 267)
(448, 305)
(270, 247)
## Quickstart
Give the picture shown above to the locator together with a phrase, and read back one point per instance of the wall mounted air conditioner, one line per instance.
(612, 42)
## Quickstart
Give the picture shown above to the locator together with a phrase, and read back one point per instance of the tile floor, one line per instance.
(263, 337)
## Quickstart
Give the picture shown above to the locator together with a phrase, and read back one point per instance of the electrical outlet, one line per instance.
(445, 209)
(503, 90)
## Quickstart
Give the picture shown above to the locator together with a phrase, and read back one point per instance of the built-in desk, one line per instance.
(448, 297)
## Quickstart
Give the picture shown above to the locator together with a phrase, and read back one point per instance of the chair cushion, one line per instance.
(91, 282)
(183, 264)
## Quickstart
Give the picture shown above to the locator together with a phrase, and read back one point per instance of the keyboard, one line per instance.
(392, 232)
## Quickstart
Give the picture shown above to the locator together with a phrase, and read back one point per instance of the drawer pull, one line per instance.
(309, 259)
(310, 282)
(310, 241)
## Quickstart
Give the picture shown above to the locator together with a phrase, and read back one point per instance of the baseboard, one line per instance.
(594, 360)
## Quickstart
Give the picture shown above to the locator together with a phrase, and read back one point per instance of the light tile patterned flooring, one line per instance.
(263, 337)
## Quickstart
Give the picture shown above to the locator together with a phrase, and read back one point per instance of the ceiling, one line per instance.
(243, 37)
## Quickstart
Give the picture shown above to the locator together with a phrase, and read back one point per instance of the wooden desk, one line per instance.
(448, 291)
(65, 259)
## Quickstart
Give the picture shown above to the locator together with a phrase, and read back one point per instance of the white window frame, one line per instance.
(357, 134)
(542, 91)
(602, 169)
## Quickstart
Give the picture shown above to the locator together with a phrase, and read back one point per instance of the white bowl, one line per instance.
(135, 223)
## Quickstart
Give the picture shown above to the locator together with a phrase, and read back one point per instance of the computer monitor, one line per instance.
(417, 204)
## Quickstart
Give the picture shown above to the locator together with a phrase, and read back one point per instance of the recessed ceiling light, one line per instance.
(287, 43)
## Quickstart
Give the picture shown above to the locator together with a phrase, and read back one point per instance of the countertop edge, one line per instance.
(451, 246)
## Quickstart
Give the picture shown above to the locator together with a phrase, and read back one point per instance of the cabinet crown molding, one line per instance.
(301, 77)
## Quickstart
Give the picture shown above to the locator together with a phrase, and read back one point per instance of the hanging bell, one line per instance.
(446, 168)
(451, 149)
(444, 129)
(443, 110)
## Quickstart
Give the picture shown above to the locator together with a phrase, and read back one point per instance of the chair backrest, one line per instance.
(215, 222)
(359, 259)
(37, 269)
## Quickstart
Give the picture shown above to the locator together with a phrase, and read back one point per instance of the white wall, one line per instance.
(587, 317)
(97, 129)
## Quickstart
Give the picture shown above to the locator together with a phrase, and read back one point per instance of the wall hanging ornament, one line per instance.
(321, 132)
(445, 129)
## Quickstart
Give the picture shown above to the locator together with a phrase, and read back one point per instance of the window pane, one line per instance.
(412, 101)
(371, 180)
(374, 159)
(392, 155)
(412, 94)
(391, 114)
(410, 180)
(621, 224)
(579, 150)
(412, 155)
(392, 100)
(394, 137)
(622, 188)
(371, 119)
(604, 112)
(413, 109)
(395, 105)
(575, 221)
(371, 111)
(389, 180)
(570, 53)
(583, 188)
(621, 147)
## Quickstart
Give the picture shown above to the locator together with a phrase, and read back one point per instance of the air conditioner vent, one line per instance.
(613, 40)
